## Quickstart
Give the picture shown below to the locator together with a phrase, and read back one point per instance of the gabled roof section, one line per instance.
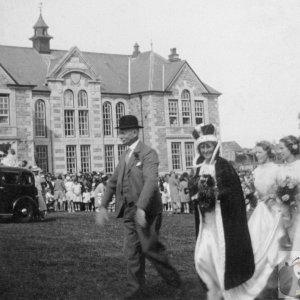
(148, 71)
(73, 60)
(6, 76)
(25, 65)
(173, 71)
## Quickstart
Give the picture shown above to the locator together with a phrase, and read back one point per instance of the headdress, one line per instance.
(202, 134)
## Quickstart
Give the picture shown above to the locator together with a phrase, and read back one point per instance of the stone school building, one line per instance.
(59, 108)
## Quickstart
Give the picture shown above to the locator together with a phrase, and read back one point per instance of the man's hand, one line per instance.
(140, 217)
(102, 216)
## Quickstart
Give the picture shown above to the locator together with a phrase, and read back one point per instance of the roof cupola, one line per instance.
(41, 38)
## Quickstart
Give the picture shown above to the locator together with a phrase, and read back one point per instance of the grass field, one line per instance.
(68, 257)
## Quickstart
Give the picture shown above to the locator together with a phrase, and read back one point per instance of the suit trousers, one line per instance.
(141, 243)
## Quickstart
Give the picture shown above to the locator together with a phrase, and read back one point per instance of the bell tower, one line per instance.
(41, 39)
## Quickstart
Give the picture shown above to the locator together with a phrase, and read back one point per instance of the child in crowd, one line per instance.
(86, 199)
(49, 198)
(69, 194)
(77, 194)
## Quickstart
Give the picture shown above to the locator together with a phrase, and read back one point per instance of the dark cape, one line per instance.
(239, 258)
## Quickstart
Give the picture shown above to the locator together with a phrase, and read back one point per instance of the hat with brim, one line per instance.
(35, 169)
(128, 122)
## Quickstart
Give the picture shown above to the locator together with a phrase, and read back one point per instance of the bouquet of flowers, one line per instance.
(207, 193)
(287, 193)
(249, 192)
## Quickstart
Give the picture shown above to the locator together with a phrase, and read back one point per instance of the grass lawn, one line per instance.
(68, 257)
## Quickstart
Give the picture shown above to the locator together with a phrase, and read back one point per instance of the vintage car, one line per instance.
(18, 194)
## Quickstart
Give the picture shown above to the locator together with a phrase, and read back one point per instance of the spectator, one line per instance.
(174, 192)
(59, 193)
(184, 193)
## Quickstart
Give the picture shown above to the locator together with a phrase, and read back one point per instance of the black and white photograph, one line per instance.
(149, 149)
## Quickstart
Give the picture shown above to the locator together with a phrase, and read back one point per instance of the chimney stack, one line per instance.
(173, 56)
(136, 50)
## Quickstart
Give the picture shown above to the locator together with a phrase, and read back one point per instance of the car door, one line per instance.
(10, 190)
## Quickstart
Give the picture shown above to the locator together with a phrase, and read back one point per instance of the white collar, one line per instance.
(133, 146)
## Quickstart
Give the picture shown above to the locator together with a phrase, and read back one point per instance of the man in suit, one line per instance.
(138, 202)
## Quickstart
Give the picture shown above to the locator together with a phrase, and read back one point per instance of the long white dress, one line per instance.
(265, 229)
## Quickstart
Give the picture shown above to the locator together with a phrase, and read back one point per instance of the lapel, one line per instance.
(135, 157)
(122, 166)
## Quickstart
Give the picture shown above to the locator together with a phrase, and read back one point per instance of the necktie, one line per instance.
(127, 156)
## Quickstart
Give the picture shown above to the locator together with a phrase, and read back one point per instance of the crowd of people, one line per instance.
(64, 192)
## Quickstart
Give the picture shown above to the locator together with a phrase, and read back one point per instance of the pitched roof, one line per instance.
(25, 65)
(28, 67)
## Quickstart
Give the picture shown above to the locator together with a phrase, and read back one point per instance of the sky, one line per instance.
(249, 50)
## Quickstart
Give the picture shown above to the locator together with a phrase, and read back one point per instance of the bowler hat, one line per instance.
(128, 122)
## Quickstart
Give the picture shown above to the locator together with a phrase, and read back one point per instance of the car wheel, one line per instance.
(24, 212)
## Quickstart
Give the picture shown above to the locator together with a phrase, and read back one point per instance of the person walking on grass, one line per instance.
(138, 202)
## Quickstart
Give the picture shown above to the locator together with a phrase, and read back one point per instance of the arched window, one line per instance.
(120, 111)
(68, 98)
(82, 99)
(107, 119)
(186, 107)
(69, 119)
(40, 119)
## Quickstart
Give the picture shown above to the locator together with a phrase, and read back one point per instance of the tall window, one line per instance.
(40, 119)
(107, 119)
(83, 117)
(71, 159)
(69, 123)
(189, 154)
(186, 107)
(120, 111)
(85, 155)
(4, 109)
(68, 98)
(176, 156)
(199, 112)
(109, 158)
(82, 99)
(173, 112)
(121, 149)
(41, 156)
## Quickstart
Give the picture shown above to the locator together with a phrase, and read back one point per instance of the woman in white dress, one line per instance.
(265, 223)
(289, 152)
(223, 253)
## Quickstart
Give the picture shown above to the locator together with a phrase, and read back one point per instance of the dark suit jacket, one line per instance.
(142, 174)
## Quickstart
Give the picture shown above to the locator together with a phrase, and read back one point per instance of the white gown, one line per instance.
(265, 227)
(265, 230)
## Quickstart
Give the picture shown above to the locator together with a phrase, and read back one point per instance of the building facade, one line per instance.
(59, 108)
